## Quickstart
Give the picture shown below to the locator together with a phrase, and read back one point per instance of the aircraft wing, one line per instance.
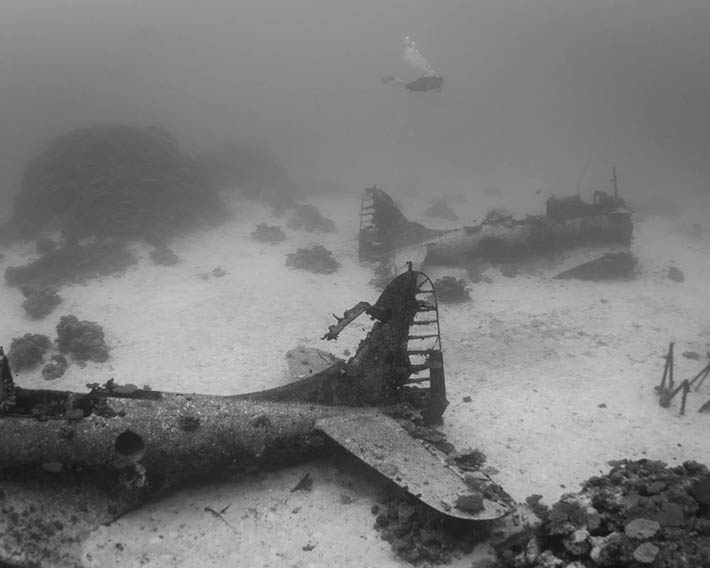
(384, 445)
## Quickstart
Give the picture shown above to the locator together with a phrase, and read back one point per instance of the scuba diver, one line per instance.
(428, 80)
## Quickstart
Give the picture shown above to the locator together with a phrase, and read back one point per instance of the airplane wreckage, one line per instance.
(71, 461)
(386, 235)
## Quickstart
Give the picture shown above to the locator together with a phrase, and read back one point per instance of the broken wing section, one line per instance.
(384, 445)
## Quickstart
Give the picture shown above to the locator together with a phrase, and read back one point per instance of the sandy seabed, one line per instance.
(561, 376)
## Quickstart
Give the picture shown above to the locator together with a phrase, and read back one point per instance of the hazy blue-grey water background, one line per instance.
(546, 94)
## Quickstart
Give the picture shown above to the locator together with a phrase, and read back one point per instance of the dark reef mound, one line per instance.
(114, 181)
(642, 513)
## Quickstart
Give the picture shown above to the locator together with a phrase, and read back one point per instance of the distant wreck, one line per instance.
(71, 461)
(568, 222)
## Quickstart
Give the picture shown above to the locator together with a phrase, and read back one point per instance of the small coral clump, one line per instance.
(55, 368)
(163, 256)
(28, 350)
(39, 302)
(268, 234)
(317, 259)
(452, 290)
(82, 339)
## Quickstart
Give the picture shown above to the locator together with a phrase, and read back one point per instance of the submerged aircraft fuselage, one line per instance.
(568, 223)
(71, 461)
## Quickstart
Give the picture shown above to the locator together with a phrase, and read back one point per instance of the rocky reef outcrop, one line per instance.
(642, 513)
(113, 181)
(315, 258)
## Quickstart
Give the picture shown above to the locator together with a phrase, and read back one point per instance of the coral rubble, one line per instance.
(642, 513)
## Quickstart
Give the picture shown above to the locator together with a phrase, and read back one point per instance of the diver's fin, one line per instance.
(384, 445)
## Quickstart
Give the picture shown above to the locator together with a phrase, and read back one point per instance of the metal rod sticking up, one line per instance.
(615, 182)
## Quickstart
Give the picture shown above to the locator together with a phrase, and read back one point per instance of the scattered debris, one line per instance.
(163, 256)
(305, 361)
(220, 515)
(675, 274)
(694, 355)
(309, 218)
(268, 234)
(609, 266)
(316, 259)
(449, 289)
(304, 484)
(418, 534)
(28, 350)
(84, 340)
(667, 390)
